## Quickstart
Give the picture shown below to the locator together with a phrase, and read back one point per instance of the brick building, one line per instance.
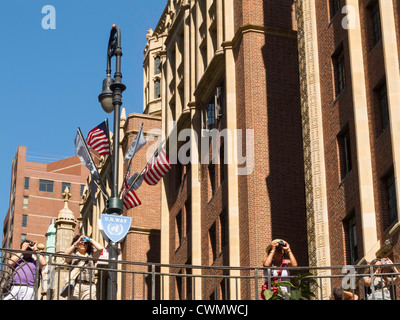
(228, 70)
(36, 196)
(142, 243)
(349, 71)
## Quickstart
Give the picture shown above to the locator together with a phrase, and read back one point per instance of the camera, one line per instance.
(280, 245)
(383, 261)
(86, 239)
(31, 243)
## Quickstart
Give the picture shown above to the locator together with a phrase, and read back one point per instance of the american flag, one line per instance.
(98, 140)
(157, 168)
(131, 200)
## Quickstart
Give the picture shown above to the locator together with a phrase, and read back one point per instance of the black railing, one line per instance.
(155, 281)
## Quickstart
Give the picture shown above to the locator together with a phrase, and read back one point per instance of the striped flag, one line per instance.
(157, 168)
(98, 139)
(131, 200)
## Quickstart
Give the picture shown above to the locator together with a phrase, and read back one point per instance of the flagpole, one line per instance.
(94, 165)
(130, 161)
(141, 172)
(100, 189)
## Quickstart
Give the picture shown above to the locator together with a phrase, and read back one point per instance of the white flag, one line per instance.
(137, 143)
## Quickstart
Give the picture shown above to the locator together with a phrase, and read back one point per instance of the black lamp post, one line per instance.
(111, 100)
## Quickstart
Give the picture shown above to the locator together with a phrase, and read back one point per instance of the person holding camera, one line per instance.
(24, 270)
(275, 257)
(81, 282)
(381, 283)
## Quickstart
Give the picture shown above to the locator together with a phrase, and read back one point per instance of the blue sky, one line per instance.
(51, 78)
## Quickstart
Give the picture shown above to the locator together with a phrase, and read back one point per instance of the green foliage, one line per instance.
(300, 289)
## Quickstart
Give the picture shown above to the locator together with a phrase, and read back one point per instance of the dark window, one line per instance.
(26, 183)
(339, 71)
(384, 108)
(46, 185)
(224, 230)
(351, 233)
(24, 220)
(344, 152)
(212, 233)
(157, 91)
(82, 188)
(210, 116)
(376, 22)
(178, 228)
(222, 164)
(391, 197)
(211, 173)
(188, 216)
(334, 6)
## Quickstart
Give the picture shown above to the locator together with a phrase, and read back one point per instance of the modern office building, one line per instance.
(36, 196)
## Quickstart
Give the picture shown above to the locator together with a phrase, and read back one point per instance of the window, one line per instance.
(65, 185)
(26, 183)
(25, 202)
(212, 236)
(344, 152)
(391, 197)
(178, 229)
(82, 188)
(24, 220)
(46, 185)
(157, 91)
(222, 164)
(23, 237)
(210, 116)
(157, 65)
(188, 215)
(351, 234)
(376, 22)
(383, 106)
(339, 72)
(334, 6)
(211, 174)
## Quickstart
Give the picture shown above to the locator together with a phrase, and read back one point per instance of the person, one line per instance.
(339, 294)
(381, 283)
(82, 276)
(24, 265)
(275, 257)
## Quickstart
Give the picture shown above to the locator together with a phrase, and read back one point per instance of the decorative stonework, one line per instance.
(315, 189)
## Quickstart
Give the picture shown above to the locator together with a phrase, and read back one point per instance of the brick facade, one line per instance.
(41, 206)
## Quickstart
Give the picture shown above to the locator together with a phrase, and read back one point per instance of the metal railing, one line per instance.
(155, 281)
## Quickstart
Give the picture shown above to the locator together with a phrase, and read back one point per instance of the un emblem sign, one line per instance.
(115, 227)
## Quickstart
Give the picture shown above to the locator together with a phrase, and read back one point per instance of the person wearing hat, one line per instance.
(275, 257)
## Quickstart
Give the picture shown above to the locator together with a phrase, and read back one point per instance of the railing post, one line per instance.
(153, 282)
(36, 286)
(49, 276)
(372, 286)
(256, 282)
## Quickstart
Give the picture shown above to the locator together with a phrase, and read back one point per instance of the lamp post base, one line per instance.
(114, 206)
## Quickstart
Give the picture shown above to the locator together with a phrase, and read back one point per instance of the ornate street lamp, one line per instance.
(111, 100)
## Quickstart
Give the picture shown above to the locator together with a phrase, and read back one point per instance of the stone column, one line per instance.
(65, 229)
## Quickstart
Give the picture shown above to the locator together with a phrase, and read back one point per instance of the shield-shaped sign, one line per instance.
(115, 226)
